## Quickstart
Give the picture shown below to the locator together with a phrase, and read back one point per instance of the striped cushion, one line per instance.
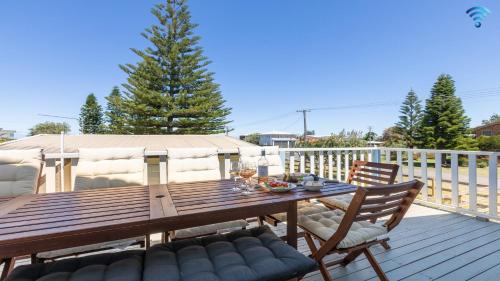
(325, 224)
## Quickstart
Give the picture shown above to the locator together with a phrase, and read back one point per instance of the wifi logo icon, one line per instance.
(478, 14)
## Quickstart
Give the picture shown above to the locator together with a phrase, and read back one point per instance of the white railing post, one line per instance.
(346, 165)
(163, 169)
(283, 159)
(330, 165)
(410, 165)
(354, 156)
(472, 182)
(145, 176)
(423, 173)
(74, 164)
(493, 184)
(321, 164)
(454, 179)
(370, 156)
(339, 165)
(312, 167)
(62, 163)
(399, 155)
(50, 175)
(227, 165)
(291, 165)
(302, 162)
(362, 155)
(387, 156)
(437, 179)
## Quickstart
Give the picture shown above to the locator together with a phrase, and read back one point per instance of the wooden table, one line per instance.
(43, 222)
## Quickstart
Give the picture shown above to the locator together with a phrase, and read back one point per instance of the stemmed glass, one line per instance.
(247, 170)
(234, 171)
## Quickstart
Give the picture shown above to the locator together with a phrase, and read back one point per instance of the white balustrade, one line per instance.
(444, 181)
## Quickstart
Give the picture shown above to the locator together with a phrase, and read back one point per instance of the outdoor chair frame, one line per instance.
(368, 203)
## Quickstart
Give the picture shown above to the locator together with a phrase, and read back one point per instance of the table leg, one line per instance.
(7, 267)
(291, 225)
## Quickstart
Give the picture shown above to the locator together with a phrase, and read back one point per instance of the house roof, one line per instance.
(51, 143)
(487, 125)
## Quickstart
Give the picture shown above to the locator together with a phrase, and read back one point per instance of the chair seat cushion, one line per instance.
(244, 255)
(209, 229)
(325, 224)
(120, 244)
(303, 208)
(123, 266)
(341, 202)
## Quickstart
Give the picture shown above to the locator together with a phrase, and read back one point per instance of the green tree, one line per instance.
(489, 143)
(392, 137)
(253, 138)
(342, 139)
(370, 135)
(170, 91)
(444, 124)
(114, 115)
(91, 117)
(410, 118)
(49, 128)
(493, 118)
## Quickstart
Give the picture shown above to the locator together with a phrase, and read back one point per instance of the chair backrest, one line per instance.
(19, 171)
(375, 202)
(193, 164)
(253, 154)
(109, 167)
(372, 173)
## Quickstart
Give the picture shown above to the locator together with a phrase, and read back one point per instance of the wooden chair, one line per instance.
(353, 233)
(365, 174)
(20, 172)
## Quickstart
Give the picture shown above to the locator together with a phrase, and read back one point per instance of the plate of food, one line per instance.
(294, 177)
(279, 186)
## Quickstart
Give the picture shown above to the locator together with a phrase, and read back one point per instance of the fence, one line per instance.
(461, 181)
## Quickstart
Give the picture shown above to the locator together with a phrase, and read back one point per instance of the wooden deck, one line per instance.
(428, 245)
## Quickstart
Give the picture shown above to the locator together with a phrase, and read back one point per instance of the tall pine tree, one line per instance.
(115, 117)
(170, 91)
(410, 118)
(91, 117)
(444, 124)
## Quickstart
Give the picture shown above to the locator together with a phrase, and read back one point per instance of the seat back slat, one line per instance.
(372, 173)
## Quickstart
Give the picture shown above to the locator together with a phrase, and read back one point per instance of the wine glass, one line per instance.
(247, 170)
(234, 171)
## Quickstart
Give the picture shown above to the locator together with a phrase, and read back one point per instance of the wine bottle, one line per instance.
(262, 168)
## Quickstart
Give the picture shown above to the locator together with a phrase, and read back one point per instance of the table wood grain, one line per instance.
(42, 222)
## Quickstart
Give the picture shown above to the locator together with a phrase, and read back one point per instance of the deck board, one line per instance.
(429, 244)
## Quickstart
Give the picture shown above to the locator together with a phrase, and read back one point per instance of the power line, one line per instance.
(57, 116)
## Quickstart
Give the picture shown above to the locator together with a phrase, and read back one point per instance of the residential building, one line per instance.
(491, 129)
(7, 134)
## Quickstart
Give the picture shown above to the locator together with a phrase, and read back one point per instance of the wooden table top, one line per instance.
(41, 222)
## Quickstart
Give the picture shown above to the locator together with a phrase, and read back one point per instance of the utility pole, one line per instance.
(304, 113)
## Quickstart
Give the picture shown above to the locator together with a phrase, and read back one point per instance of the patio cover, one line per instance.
(51, 143)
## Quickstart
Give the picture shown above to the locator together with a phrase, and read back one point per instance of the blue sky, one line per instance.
(270, 57)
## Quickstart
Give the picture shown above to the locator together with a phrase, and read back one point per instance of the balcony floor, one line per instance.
(429, 244)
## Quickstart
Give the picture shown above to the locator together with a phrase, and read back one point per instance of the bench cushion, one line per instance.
(120, 266)
(341, 202)
(209, 229)
(303, 208)
(244, 255)
(325, 224)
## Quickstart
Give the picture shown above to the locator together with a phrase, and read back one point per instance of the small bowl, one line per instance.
(313, 185)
